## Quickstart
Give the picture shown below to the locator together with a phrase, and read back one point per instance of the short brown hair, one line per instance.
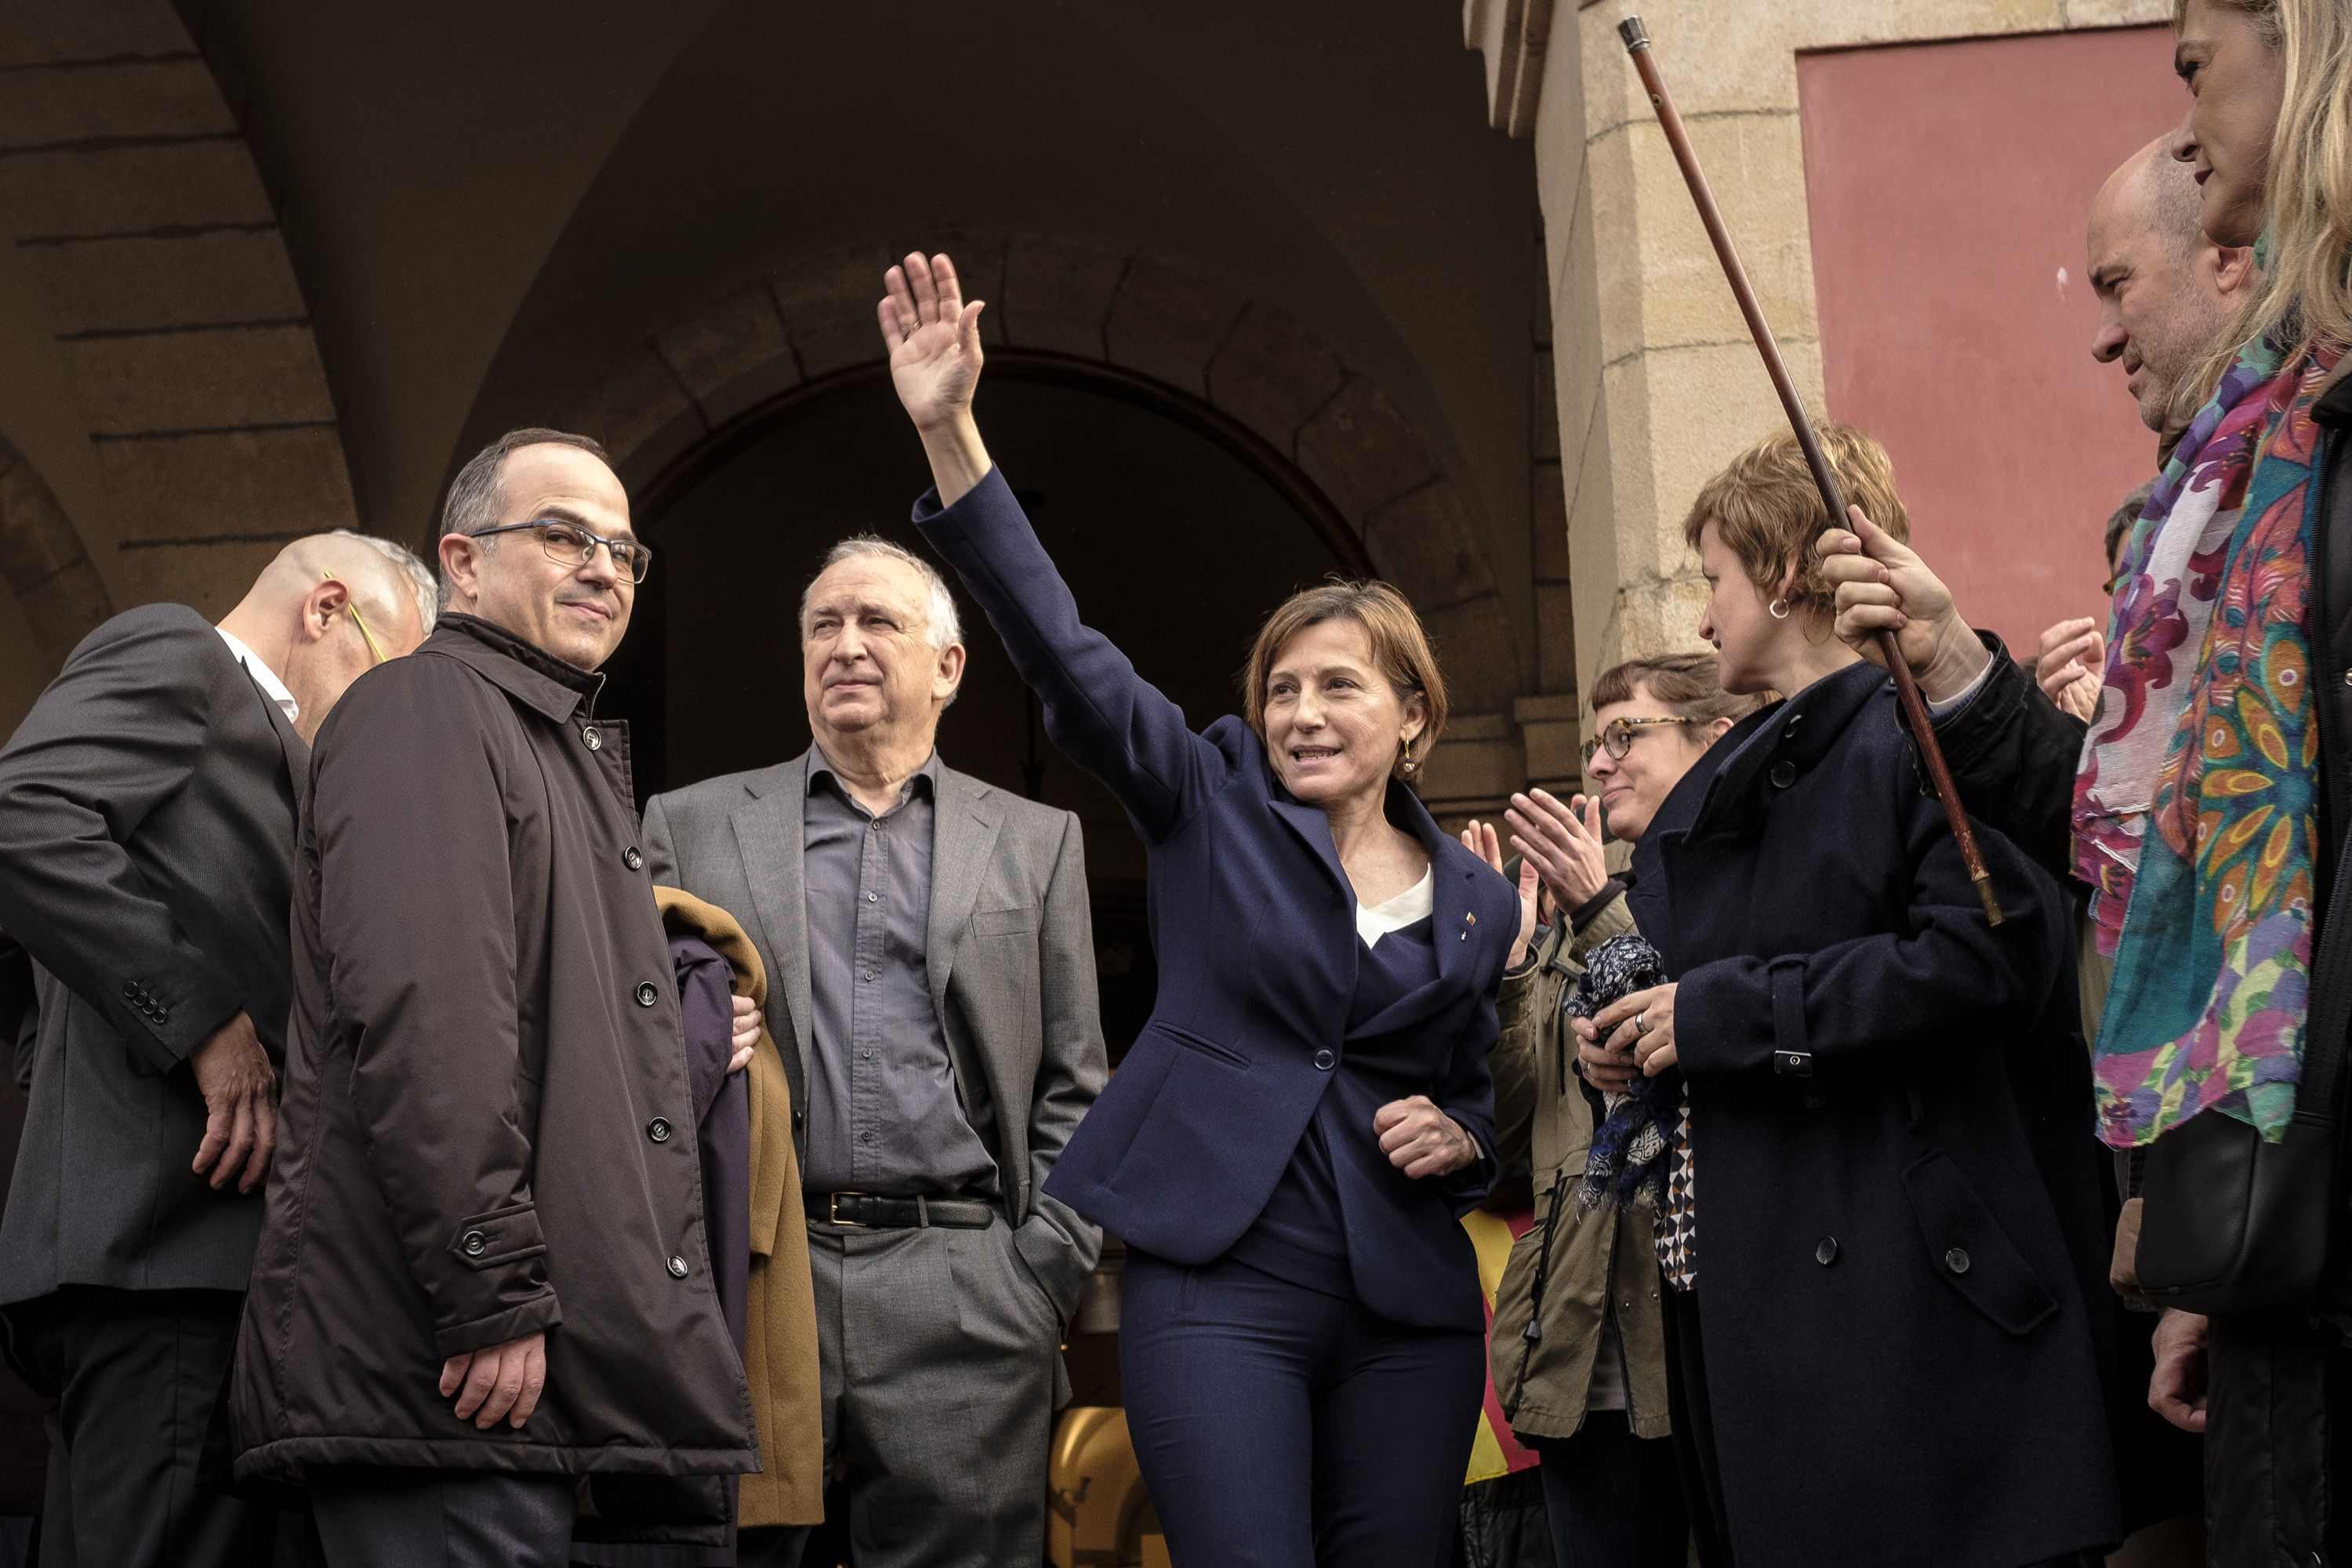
(1770, 513)
(473, 500)
(1399, 648)
(1688, 683)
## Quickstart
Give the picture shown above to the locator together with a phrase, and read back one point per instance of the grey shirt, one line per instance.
(883, 1113)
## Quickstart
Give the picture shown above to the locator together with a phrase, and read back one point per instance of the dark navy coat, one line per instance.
(1253, 922)
(1898, 1208)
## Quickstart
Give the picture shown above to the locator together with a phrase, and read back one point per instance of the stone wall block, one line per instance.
(71, 606)
(1273, 376)
(209, 578)
(1659, 617)
(185, 281)
(1477, 764)
(1556, 636)
(1473, 641)
(236, 481)
(132, 189)
(1422, 543)
(37, 539)
(36, 32)
(642, 415)
(1577, 353)
(980, 266)
(1614, 252)
(2116, 12)
(200, 380)
(1057, 294)
(1167, 324)
(1551, 733)
(828, 308)
(1613, 93)
(1548, 523)
(1710, 404)
(150, 97)
(1756, 165)
(1364, 451)
(732, 355)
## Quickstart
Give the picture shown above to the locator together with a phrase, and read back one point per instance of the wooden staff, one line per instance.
(1637, 44)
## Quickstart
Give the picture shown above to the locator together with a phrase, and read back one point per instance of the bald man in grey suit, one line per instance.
(932, 990)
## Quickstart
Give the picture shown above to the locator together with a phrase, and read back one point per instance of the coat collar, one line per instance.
(1799, 731)
(1453, 870)
(529, 674)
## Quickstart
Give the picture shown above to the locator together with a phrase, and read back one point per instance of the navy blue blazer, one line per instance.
(1254, 924)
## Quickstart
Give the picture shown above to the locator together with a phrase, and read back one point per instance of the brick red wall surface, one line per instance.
(1949, 186)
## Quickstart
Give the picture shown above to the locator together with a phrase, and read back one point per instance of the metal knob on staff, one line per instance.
(1915, 710)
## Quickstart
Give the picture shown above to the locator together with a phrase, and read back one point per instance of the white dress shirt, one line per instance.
(264, 677)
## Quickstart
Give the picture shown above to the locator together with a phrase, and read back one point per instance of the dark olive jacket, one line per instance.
(488, 1127)
(1595, 1266)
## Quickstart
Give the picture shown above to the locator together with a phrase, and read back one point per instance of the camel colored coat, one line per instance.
(780, 1318)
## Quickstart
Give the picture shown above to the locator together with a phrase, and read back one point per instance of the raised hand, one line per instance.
(1882, 586)
(1481, 839)
(2073, 653)
(1563, 842)
(933, 338)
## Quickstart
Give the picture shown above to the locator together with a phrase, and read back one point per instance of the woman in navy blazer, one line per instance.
(1289, 1145)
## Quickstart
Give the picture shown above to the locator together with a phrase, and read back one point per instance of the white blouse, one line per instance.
(1414, 904)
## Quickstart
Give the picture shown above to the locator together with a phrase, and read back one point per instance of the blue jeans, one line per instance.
(1278, 1426)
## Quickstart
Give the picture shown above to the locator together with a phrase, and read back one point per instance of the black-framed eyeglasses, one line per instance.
(1617, 737)
(574, 546)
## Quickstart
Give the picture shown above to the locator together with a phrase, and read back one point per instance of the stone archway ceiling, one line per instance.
(42, 561)
(1148, 315)
(129, 189)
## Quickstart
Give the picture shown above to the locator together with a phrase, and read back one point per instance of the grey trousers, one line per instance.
(937, 1349)
(138, 1459)
(441, 1519)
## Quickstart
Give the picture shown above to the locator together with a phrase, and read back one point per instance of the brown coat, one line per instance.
(483, 1069)
(1601, 1262)
(780, 1328)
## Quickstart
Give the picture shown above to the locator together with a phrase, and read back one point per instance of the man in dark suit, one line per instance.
(147, 812)
(932, 993)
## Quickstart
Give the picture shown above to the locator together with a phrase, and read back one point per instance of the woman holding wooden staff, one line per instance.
(1881, 1205)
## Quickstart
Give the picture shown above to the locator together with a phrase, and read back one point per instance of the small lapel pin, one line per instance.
(1471, 918)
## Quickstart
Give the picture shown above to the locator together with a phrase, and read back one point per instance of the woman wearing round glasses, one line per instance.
(1577, 1351)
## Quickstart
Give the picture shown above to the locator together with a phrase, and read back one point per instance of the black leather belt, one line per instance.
(865, 1211)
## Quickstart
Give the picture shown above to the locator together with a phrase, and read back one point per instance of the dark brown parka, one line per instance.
(486, 1128)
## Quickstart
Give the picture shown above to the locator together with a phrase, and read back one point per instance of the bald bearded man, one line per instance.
(147, 812)
(2166, 292)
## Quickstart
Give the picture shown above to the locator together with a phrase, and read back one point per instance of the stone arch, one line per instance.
(129, 192)
(43, 561)
(1147, 316)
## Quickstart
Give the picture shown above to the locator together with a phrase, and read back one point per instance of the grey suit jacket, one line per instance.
(147, 810)
(1011, 955)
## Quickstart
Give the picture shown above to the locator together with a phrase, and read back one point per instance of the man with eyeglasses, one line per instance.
(485, 1272)
(148, 808)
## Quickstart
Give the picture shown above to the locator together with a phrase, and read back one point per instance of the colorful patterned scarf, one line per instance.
(2196, 806)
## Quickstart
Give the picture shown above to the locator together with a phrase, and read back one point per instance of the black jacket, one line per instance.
(487, 1123)
(1898, 1209)
(147, 809)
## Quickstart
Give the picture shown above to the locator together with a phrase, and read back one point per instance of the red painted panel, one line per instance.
(1948, 187)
